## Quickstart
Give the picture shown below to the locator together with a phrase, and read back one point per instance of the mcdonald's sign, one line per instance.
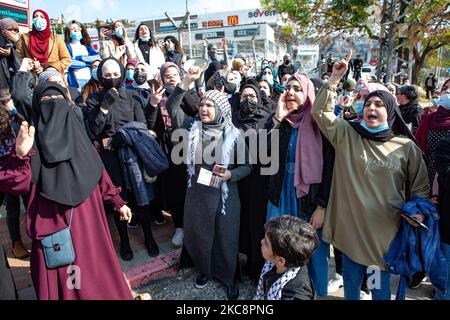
(233, 20)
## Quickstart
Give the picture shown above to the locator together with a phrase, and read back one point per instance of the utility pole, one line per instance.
(189, 29)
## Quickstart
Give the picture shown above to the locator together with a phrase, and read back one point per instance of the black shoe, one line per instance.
(125, 251)
(232, 292)
(153, 251)
(201, 281)
(416, 280)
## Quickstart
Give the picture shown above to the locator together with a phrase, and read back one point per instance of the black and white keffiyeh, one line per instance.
(275, 290)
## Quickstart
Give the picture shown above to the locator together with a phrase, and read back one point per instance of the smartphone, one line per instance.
(218, 169)
(407, 217)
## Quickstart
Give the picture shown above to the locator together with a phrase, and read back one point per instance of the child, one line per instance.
(287, 246)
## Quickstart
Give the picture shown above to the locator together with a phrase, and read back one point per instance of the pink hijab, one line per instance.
(308, 153)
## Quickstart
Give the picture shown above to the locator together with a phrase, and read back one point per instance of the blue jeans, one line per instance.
(353, 274)
(318, 267)
(446, 251)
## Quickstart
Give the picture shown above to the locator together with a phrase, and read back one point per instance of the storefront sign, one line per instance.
(18, 14)
(210, 35)
(233, 20)
(214, 23)
(245, 33)
(261, 13)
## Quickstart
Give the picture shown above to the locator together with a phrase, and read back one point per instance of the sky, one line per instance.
(90, 10)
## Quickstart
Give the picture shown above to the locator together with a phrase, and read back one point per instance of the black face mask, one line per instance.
(169, 89)
(249, 106)
(287, 62)
(112, 83)
(140, 77)
(230, 88)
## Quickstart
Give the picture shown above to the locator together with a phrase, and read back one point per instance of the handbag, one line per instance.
(58, 248)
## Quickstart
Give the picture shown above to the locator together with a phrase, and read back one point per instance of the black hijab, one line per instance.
(249, 115)
(397, 125)
(102, 80)
(66, 167)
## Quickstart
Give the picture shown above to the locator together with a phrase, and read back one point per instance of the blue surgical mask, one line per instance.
(129, 74)
(381, 128)
(40, 24)
(171, 50)
(269, 79)
(76, 36)
(119, 32)
(443, 101)
(94, 74)
(348, 94)
(145, 39)
(359, 106)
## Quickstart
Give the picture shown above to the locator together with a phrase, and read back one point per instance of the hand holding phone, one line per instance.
(218, 169)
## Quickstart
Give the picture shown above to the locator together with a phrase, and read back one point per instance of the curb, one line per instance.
(164, 266)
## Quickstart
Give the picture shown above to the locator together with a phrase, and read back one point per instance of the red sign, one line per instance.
(374, 56)
(233, 20)
(214, 23)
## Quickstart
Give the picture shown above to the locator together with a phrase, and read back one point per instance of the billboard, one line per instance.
(210, 35)
(17, 10)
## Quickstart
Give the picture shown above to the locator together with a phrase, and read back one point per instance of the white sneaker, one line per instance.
(177, 239)
(365, 296)
(335, 283)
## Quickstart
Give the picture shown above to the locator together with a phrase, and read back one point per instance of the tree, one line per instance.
(425, 24)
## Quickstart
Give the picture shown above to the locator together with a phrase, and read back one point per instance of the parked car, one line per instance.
(369, 73)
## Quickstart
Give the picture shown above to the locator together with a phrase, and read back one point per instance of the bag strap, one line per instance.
(71, 215)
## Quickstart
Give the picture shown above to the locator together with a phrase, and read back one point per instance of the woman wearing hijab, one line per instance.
(212, 213)
(9, 58)
(119, 47)
(374, 160)
(171, 185)
(408, 101)
(148, 50)
(69, 183)
(78, 43)
(300, 188)
(269, 74)
(250, 116)
(108, 111)
(433, 128)
(43, 46)
(443, 170)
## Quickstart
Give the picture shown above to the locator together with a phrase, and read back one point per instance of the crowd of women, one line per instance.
(85, 133)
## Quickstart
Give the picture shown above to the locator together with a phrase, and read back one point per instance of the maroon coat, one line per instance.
(98, 272)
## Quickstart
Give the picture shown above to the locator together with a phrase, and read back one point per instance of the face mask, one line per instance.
(112, 83)
(287, 62)
(169, 88)
(94, 74)
(269, 79)
(348, 94)
(248, 106)
(360, 108)
(145, 39)
(230, 88)
(140, 77)
(129, 74)
(76, 36)
(171, 50)
(40, 24)
(443, 101)
(381, 128)
(119, 32)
